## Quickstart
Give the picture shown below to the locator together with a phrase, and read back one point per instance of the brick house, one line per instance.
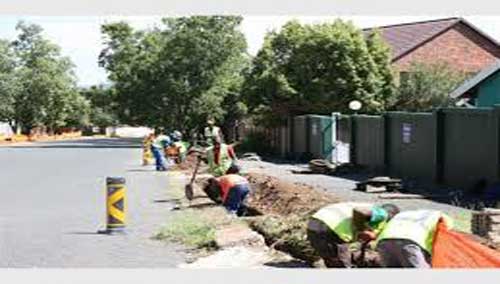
(452, 40)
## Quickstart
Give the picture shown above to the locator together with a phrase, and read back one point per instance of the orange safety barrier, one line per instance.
(455, 250)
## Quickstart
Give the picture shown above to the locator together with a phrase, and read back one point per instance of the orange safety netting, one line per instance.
(455, 250)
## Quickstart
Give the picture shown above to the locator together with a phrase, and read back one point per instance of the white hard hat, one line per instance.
(177, 134)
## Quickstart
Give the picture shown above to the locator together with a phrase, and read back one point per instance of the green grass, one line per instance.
(195, 227)
(189, 228)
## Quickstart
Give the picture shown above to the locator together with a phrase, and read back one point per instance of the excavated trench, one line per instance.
(279, 211)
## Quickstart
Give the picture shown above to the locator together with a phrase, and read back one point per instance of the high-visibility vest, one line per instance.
(338, 217)
(171, 151)
(161, 141)
(210, 134)
(227, 182)
(224, 160)
(180, 145)
(418, 226)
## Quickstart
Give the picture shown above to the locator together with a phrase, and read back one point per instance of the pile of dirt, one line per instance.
(286, 208)
(280, 212)
(274, 196)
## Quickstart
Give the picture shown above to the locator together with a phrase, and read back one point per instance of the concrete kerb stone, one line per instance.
(238, 235)
(231, 257)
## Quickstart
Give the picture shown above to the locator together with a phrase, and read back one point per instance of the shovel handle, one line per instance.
(195, 171)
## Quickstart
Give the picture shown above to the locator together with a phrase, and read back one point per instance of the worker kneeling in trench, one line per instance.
(333, 228)
(230, 190)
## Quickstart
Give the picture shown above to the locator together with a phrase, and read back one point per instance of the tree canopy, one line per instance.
(103, 105)
(319, 68)
(37, 85)
(177, 74)
(426, 86)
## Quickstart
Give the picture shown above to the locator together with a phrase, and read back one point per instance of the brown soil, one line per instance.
(285, 208)
(273, 196)
(189, 164)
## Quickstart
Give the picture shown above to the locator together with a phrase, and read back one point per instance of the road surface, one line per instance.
(52, 203)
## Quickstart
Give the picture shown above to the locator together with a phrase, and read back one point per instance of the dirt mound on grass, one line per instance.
(274, 196)
(286, 208)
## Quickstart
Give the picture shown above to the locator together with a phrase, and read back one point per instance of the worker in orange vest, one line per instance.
(230, 190)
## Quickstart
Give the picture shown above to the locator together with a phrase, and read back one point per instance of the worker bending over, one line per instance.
(179, 147)
(220, 157)
(332, 228)
(407, 240)
(158, 146)
(230, 190)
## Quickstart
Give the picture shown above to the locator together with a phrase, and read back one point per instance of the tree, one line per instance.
(319, 69)
(178, 74)
(103, 107)
(79, 110)
(427, 86)
(47, 87)
(9, 86)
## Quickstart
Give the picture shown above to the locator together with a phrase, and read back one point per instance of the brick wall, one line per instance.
(460, 47)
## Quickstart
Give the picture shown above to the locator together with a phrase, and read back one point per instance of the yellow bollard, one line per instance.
(115, 204)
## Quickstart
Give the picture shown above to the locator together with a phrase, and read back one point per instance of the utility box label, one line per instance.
(314, 129)
(406, 133)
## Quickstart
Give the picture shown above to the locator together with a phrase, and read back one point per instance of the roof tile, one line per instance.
(404, 37)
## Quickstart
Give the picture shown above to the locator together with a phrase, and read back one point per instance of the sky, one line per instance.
(79, 37)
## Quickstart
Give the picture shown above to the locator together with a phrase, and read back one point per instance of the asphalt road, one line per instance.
(52, 203)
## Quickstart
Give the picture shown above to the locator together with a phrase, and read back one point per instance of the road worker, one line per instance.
(333, 228)
(211, 132)
(407, 240)
(230, 190)
(147, 155)
(220, 157)
(179, 145)
(158, 146)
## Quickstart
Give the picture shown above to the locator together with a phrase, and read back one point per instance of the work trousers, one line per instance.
(403, 253)
(330, 247)
(235, 202)
(159, 159)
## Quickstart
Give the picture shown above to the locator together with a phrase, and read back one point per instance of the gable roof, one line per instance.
(476, 80)
(404, 38)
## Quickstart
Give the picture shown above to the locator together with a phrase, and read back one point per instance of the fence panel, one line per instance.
(411, 145)
(299, 135)
(369, 141)
(470, 146)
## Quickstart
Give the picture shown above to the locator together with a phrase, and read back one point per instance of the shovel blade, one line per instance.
(188, 191)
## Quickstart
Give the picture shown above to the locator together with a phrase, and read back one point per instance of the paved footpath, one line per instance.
(52, 203)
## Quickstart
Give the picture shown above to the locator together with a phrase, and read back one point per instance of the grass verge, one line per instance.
(189, 228)
(196, 227)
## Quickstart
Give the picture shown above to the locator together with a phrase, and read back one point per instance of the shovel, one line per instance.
(188, 189)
